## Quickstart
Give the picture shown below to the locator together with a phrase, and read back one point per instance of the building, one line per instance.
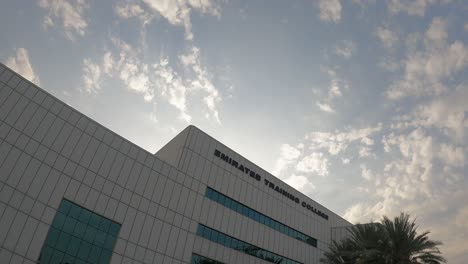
(72, 191)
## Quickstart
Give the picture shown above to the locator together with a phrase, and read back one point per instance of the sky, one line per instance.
(360, 104)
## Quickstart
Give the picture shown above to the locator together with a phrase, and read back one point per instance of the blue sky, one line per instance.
(360, 104)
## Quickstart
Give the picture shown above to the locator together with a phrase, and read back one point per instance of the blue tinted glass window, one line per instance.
(242, 246)
(259, 217)
(78, 235)
(197, 259)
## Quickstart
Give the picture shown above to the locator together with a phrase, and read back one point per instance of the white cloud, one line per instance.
(411, 7)
(330, 10)
(366, 173)
(314, 163)
(288, 155)
(21, 64)
(446, 113)
(452, 155)
(363, 3)
(389, 64)
(425, 71)
(108, 63)
(345, 160)
(335, 90)
(172, 87)
(93, 72)
(130, 69)
(325, 107)
(298, 182)
(345, 48)
(91, 76)
(202, 81)
(178, 12)
(71, 14)
(359, 213)
(338, 141)
(161, 78)
(365, 152)
(132, 8)
(437, 34)
(388, 38)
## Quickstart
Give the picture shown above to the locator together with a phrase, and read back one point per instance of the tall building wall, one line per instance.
(53, 158)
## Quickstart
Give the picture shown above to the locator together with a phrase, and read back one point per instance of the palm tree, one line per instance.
(387, 242)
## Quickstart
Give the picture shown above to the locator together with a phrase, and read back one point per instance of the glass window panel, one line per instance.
(59, 220)
(251, 214)
(200, 230)
(62, 242)
(46, 254)
(94, 255)
(104, 225)
(65, 207)
(79, 261)
(245, 210)
(68, 259)
(90, 234)
(100, 238)
(52, 237)
(209, 193)
(84, 216)
(57, 257)
(114, 229)
(228, 242)
(105, 256)
(74, 246)
(283, 229)
(229, 203)
(214, 236)
(215, 196)
(196, 259)
(109, 243)
(80, 230)
(221, 199)
(69, 225)
(95, 220)
(75, 212)
(66, 239)
(236, 244)
(256, 216)
(85, 248)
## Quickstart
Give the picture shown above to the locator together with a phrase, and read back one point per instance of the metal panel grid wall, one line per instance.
(50, 152)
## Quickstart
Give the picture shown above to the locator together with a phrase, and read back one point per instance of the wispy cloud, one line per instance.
(288, 155)
(334, 91)
(21, 64)
(202, 81)
(345, 49)
(316, 162)
(91, 76)
(325, 107)
(69, 13)
(412, 7)
(172, 87)
(338, 141)
(175, 12)
(388, 37)
(330, 10)
(426, 71)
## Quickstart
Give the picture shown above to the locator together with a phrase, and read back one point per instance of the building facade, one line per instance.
(73, 191)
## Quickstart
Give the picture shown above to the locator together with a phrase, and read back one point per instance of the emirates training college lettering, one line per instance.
(268, 183)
